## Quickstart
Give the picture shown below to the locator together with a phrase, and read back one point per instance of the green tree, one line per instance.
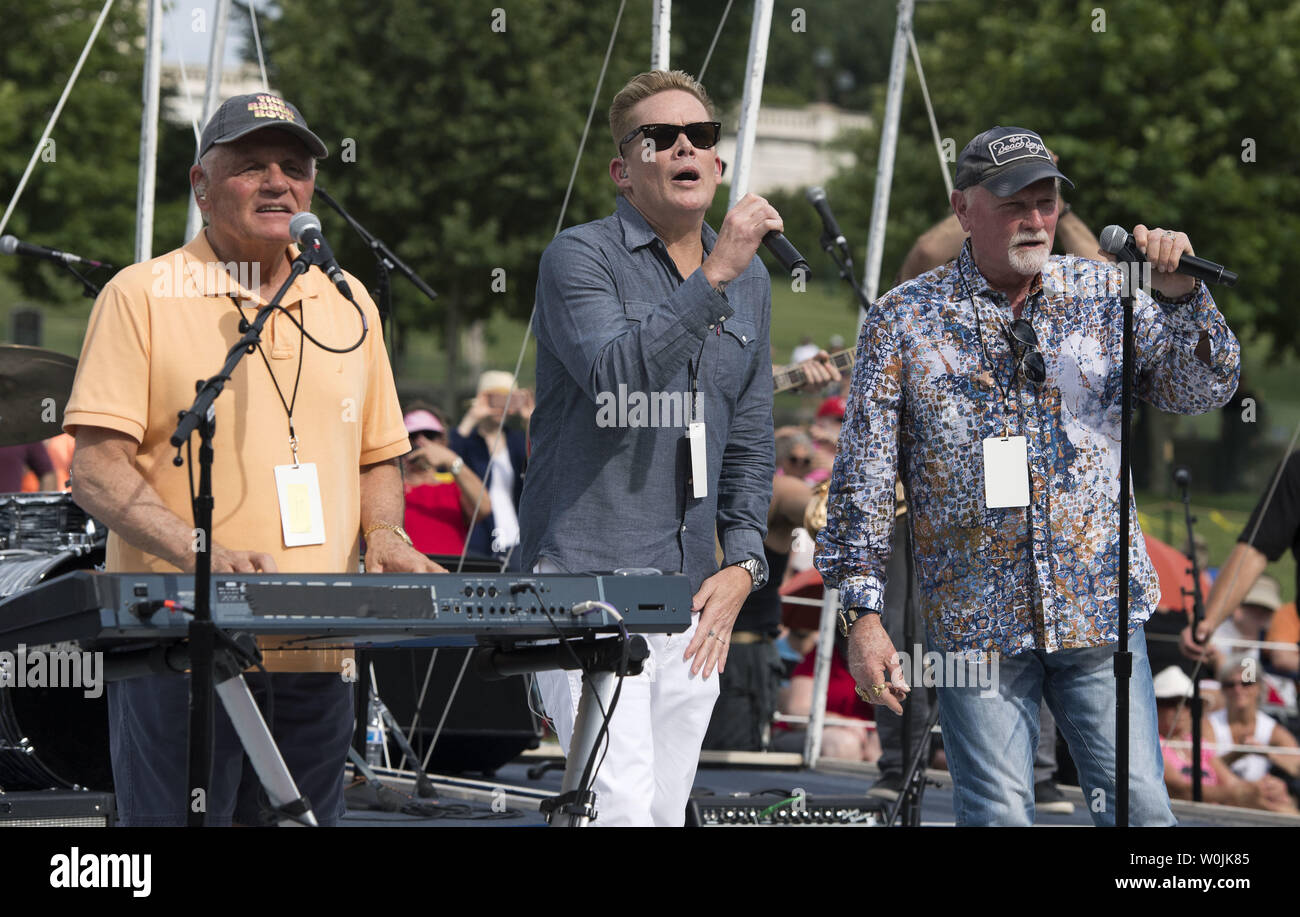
(82, 193)
(1172, 115)
(452, 129)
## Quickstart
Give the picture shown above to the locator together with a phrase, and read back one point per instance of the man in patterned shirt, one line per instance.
(1000, 366)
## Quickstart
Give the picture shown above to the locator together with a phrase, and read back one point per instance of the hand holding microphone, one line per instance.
(753, 221)
(1170, 254)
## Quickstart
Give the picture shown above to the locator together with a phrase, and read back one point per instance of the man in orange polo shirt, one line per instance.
(157, 328)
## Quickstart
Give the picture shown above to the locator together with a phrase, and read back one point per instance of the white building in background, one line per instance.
(792, 146)
(187, 104)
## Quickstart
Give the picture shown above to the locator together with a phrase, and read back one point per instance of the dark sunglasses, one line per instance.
(703, 135)
(1031, 358)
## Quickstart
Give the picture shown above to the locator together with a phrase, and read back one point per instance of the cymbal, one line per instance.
(34, 387)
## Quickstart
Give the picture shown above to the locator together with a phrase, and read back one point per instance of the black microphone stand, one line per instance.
(386, 261)
(1132, 262)
(1183, 478)
(844, 261)
(203, 638)
(88, 288)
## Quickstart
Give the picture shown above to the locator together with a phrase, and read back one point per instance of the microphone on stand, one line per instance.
(13, 246)
(1117, 241)
(305, 230)
(830, 228)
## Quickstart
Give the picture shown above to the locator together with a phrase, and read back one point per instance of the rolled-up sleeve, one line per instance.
(582, 320)
(853, 549)
(1169, 373)
(749, 459)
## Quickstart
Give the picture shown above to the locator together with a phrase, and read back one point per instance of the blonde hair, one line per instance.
(643, 86)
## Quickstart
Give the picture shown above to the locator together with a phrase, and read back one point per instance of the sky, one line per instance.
(181, 22)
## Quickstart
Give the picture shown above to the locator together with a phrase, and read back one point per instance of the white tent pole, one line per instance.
(149, 134)
(821, 677)
(211, 95)
(661, 27)
(885, 163)
(754, 69)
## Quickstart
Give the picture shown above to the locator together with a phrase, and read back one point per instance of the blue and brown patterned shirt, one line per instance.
(925, 395)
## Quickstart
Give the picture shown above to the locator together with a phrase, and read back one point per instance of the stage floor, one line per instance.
(469, 800)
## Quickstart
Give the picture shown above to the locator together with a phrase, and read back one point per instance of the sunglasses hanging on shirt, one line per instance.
(1031, 358)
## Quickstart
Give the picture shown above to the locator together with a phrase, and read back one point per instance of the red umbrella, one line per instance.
(1174, 572)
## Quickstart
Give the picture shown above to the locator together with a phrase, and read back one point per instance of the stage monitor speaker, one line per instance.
(776, 810)
(57, 809)
(489, 722)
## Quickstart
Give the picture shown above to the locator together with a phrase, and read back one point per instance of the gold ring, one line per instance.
(862, 693)
(878, 690)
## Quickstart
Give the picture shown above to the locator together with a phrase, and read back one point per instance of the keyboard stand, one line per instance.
(600, 661)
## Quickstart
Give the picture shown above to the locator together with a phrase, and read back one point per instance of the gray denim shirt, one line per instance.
(620, 335)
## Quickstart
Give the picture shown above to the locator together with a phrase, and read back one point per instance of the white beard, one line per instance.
(1027, 263)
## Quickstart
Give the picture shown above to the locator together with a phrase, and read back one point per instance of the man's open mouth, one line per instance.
(687, 176)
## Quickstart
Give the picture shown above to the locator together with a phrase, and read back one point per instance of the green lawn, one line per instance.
(1219, 519)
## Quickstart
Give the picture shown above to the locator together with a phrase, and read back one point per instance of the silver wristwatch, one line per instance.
(757, 571)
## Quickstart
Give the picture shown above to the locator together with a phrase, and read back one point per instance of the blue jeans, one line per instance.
(990, 741)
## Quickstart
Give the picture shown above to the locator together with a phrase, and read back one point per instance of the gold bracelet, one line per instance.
(401, 532)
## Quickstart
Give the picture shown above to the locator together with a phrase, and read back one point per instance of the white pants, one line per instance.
(654, 736)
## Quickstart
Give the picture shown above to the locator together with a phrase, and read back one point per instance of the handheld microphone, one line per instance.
(786, 253)
(1117, 241)
(817, 197)
(13, 246)
(305, 230)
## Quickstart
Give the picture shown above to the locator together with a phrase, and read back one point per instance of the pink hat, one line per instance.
(422, 422)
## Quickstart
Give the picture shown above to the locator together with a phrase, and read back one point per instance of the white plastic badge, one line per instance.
(1006, 472)
(699, 459)
(301, 516)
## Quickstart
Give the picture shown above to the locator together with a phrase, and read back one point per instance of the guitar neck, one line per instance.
(794, 376)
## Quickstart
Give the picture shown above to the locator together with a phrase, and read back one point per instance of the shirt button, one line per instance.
(683, 526)
(744, 340)
(710, 327)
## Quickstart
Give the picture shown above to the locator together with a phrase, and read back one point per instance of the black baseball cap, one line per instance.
(239, 116)
(1004, 160)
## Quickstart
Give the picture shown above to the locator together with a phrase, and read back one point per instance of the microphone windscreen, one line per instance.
(1113, 239)
(8, 244)
(301, 222)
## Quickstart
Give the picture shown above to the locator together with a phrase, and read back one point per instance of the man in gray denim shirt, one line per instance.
(646, 321)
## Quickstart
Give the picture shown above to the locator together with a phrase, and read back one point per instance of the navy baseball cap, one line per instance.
(1004, 160)
(239, 116)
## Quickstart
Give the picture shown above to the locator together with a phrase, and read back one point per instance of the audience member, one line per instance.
(1241, 722)
(498, 455)
(442, 492)
(15, 461)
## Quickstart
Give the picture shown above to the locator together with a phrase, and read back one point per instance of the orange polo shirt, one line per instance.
(161, 325)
